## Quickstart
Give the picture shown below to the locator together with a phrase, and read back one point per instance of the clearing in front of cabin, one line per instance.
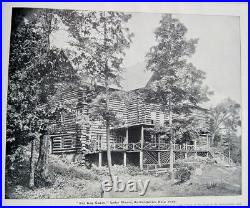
(68, 180)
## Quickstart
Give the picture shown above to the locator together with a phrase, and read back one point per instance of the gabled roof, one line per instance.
(155, 76)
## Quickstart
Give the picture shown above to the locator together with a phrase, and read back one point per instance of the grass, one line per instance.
(65, 181)
(214, 181)
(70, 181)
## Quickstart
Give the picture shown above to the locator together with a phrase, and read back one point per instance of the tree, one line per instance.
(226, 115)
(115, 38)
(35, 74)
(46, 23)
(22, 125)
(83, 32)
(24, 47)
(175, 83)
(100, 39)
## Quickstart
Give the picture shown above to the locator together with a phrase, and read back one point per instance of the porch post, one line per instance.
(126, 138)
(141, 160)
(125, 153)
(100, 159)
(141, 151)
(125, 159)
(171, 157)
(159, 158)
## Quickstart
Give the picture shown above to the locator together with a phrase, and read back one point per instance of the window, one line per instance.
(161, 118)
(153, 117)
(99, 137)
(120, 139)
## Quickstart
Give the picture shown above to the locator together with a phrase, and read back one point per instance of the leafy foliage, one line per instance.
(226, 115)
(36, 72)
(183, 172)
(98, 43)
(175, 81)
(15, 164)
(172, 47)
(225, 125)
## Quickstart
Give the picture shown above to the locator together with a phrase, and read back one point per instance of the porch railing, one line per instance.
(97, 146)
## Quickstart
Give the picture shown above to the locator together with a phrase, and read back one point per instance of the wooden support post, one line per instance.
(142, 136)
(195, 143)
(126, 138)
(141, 160)
(100, 159)
(125, 159)
(142, 143)
(186, 155)
(159, 158)
(171, 157)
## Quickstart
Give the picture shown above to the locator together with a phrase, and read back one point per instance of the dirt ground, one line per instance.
(214, 181)
(70, 181)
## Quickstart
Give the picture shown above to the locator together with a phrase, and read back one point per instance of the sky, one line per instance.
(217, 52)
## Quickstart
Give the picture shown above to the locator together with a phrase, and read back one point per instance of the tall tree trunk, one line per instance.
(171, 139)
(42, 163)
(32, 165)
(109, 159)
(40, 150)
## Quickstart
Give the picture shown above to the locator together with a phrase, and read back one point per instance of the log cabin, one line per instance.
(132, 142)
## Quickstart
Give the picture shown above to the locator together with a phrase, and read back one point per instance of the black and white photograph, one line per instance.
(123, 104)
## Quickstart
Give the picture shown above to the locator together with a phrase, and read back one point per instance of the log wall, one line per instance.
(70, 136)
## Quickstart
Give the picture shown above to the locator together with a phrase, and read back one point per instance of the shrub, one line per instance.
(120, 169)
(71, 171)
(211, 185)
(102, 171)
(183, 172)
(87, 164)
(17, 167)
(40, 181)
(133, 170)
(166, 175)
